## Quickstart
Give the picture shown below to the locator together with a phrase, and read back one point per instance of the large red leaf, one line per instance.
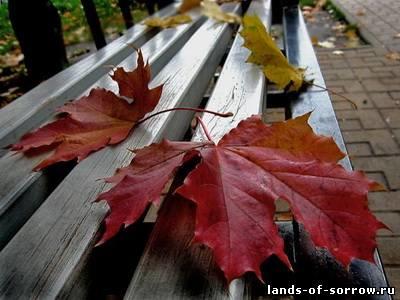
(94, 121)
(237, 182)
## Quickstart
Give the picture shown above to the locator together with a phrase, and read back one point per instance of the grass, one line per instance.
(73, 20)
(307, 3)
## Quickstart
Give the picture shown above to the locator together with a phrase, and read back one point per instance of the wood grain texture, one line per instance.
(52, 247)
(36, 106)
(171, 267)
(20, 178)
(241, 87)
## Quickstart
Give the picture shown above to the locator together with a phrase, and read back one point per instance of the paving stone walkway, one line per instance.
(378, 20)
(372, 133)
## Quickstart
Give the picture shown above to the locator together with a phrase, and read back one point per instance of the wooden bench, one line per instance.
(49, 223)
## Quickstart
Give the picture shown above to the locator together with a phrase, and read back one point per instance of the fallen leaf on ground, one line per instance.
(351, 34)
(212, 10)
(360, 12)
(353, 40)
(339, 27)
(10, 60)
(397, 36)
(338, 52)
(326, 44)
(307, 8)
(265, 53)
(96, 120)
(393, 55)
(168, 22)
(314, 40)
(188, 5)
(236, 183)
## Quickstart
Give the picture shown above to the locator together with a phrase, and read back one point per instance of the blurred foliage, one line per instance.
(337, 14)
(73, 21)
(307, 3)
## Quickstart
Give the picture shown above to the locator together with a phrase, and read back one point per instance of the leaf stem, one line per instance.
(203, 126)
(334, 93)
(223, 115)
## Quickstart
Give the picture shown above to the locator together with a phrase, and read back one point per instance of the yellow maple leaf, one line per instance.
(167, 22)
(265, 53)
(188, 5)
(212, 10)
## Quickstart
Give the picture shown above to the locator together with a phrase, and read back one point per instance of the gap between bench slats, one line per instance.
(31, 109)
(53, 246)
(172, 268)
(22, 190)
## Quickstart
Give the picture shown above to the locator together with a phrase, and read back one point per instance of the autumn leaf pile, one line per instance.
(236, 182)
(96, 120)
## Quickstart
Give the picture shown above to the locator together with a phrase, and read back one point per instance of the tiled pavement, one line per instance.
(372, 133)
(378, 20)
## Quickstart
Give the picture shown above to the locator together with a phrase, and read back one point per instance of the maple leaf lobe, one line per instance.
(141, 183)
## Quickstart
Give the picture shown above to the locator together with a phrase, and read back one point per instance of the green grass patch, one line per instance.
(307, 3)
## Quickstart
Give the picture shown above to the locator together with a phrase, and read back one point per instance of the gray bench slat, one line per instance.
(170, 268)
(19, 192)
(51, 248)
(300, 52)
(33, 108)
(323, 121)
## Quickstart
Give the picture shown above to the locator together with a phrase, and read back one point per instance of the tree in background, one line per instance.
(150, 4)
(37, 26)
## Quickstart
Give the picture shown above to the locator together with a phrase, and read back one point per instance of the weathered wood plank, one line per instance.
(51, 248)
(19, 194)
(172, 268)
(36, 106)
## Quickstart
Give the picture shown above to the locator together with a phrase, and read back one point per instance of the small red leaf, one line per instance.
(94, 121)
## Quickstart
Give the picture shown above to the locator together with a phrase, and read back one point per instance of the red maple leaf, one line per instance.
(99, 119)
(236, 183)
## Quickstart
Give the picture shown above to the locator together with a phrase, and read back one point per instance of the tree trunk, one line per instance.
(37, 26)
